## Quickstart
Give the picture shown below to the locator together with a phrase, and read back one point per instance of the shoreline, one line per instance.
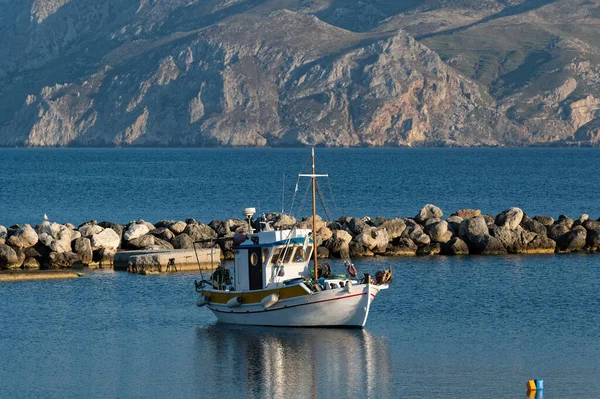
(52, 246)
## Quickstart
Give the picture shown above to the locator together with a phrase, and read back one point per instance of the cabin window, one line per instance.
(254, 259)
(288, 255)
(300, 255)
(275, 256)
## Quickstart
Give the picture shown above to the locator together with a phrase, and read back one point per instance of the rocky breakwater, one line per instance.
(57, 246)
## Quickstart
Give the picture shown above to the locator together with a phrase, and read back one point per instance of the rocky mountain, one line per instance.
(297, 72)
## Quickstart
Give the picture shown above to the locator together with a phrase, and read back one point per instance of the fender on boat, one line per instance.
(269, 301)
(203, 300)
(234, 302)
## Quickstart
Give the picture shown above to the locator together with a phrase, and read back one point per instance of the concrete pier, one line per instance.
(25, 275)
(179, 260)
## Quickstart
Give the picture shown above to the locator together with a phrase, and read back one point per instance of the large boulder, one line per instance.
(338, 248)
(89, 230)
(418, 236)
(476, 234)
(163, 245)
(541, 244)
(402, 247)
(534, 226)
(565, 220)
(323, 234)
(221, 227)
(177, 227)
(429, 211)
(593, 240)
(307, 223)
(582, 218)
(8, 258)
(164, 224)
(105, 257)
(50, 228)
(590, 225)
(358, 226)
(454, 224)
(117, 228)
(455, 246)
(3, 232)
(473, 228)
(374, 240)
(514, 240)
(467, 213)
(107, 239)
(434, 248)
(492, 246)
(135, 230)
(63, 260)
(24, 237)
(83, 248)
(439, 231)
(182, 241)
(342, 235)
(510, 218)
(545, 220)
(283, 221)
(574, 240)
(163, 233)
(394, 227)
(62, 241)
(200, 231)
(558, 230)
(322, 253)
(149, 225)
(143, 242)
(359, 250)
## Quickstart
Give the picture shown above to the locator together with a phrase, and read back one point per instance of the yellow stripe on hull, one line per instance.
(249, 297)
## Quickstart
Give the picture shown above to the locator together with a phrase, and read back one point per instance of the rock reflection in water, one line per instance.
(290, 363)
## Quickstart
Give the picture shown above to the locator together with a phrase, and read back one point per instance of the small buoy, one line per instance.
(539, 385)
(203, 300)
(531, 386)
(269, 301)
(234, 302)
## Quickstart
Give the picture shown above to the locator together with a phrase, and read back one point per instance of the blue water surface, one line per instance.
(465, 327)
(121, 185)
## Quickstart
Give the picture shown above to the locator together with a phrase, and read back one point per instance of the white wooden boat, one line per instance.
(273, 283)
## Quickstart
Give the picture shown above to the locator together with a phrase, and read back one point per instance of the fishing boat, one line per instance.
(273, 283)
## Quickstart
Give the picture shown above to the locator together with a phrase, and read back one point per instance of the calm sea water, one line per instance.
(466, 327)
(469, 327)
(124, 184)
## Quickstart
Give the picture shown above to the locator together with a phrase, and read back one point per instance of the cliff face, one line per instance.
(261, 73)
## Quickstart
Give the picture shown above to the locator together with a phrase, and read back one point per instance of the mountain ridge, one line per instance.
(290, 73)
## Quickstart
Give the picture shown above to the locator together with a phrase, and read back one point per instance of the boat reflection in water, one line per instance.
(292, 362)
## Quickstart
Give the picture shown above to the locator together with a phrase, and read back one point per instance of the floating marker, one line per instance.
(531, 386)
(534, 386)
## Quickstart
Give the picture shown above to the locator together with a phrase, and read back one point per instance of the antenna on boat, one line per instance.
(248, 213)
(313, 177)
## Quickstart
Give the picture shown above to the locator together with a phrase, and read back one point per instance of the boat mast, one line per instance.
(314, 207)
(314, 176)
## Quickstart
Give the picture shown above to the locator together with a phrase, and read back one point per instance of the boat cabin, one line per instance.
(266, 259)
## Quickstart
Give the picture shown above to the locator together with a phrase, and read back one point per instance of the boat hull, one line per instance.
(330, 308)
